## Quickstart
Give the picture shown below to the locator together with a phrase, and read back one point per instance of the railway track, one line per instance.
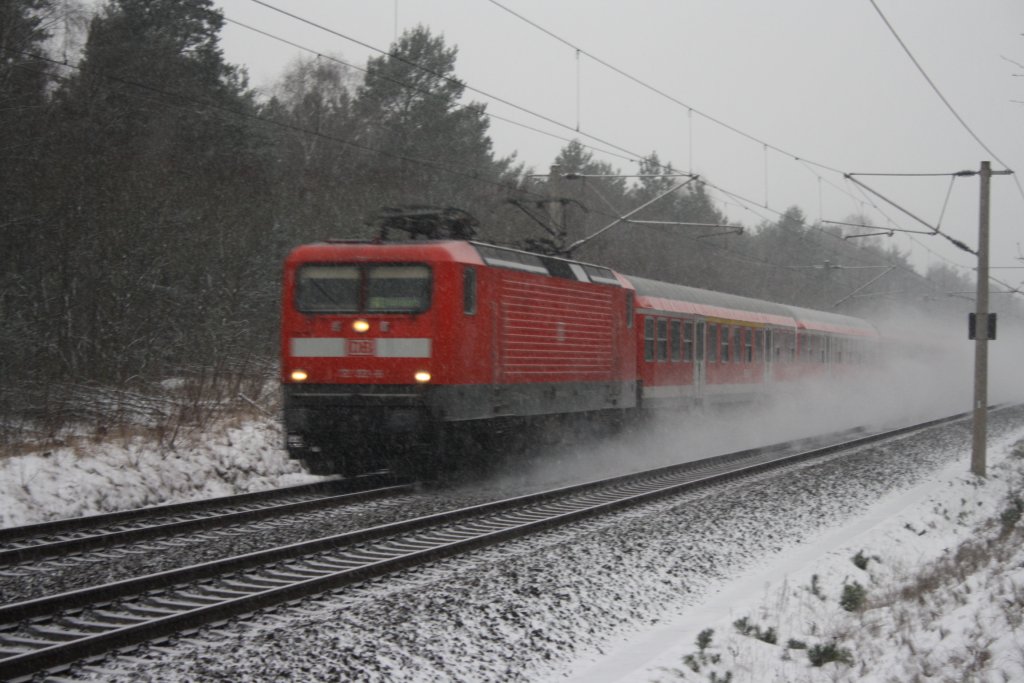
(50, 633)
(61, 538)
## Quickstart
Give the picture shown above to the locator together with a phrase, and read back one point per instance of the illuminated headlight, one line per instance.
(299, 375)
(422, 376)
(361, 326)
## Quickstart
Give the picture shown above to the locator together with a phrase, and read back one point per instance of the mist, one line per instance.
(921, 373)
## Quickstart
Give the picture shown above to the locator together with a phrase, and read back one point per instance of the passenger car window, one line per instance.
(662, 339)
(648, 339)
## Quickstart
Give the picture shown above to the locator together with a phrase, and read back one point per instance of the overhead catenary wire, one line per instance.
(186, 101)
(934, 87)
(569, 127)
(942, 97)
(935, 230)
(653, 89)
(634, 155)
(467, 107)
(577, 52)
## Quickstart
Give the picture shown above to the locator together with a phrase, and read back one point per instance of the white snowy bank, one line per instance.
(120, 474)
(943, 597)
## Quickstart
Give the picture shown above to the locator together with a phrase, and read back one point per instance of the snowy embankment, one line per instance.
(928, 584)
(624, 598)
(93, 476)
(627, 597)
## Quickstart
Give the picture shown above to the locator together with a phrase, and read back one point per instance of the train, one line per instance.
(395, 352)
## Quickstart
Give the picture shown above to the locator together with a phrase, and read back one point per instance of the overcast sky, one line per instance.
(825, 82)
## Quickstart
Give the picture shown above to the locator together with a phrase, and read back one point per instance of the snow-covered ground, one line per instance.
(626, 598)
(93, 476)
(942, 568)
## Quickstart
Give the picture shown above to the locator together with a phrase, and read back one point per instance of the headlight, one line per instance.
(361, 326)
(422, 376)
(299, 375)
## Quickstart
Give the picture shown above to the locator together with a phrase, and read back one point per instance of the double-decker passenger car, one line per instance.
(391, 351)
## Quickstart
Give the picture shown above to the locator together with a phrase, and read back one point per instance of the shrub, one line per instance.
(820, 655)
(854, 597)
(1011, 515)
(744, 627)
(704, 639)
(816, 588)
(794, 644)
(859, 561)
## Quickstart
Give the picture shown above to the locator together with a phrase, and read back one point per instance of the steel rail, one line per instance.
(65, 537)
(58, 630)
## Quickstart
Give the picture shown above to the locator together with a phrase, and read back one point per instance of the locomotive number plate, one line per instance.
(362, 347)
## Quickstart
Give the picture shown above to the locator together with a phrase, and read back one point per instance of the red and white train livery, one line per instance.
(387, 345)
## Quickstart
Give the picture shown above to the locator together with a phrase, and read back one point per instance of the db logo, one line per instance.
(361, 347)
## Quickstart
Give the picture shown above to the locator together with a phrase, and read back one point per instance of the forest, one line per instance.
(148, 197)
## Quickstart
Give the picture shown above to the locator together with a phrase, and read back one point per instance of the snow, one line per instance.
(967, 629)
(90, 477)
(622, 599)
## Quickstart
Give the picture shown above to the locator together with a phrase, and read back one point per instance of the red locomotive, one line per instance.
(390, 349)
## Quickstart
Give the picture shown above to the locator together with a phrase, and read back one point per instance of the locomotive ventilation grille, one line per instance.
(549, 329)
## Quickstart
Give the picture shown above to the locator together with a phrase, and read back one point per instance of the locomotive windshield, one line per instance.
(350, 288)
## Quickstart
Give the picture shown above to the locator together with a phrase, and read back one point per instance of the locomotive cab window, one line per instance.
(397, 289)
(327, 289)
(350, 288)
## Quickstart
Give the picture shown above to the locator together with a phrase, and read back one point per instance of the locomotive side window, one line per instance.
(469, 291)
(648, 339)
(327, 289)
(397, 289)
(725, 343)
(675, 333)
(748, 339)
